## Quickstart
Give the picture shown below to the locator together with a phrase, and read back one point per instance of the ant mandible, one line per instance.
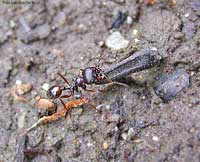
(88, 76)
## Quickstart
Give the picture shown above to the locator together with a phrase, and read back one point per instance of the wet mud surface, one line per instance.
(132, 123)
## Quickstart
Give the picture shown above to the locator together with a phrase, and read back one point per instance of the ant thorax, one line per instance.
(78, 81)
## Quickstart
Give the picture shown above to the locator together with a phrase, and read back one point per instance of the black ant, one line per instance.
(88, 76)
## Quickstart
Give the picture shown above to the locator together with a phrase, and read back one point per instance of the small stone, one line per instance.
(178, 35)
(138, 141)
(45, 104)
(154, 49)
(129, 20)
(172, 2)
(24, 88)
(116, 41)
(143, 97)
(60, 19)
(189, 29)
(136, 40)
(43, 31)
(18, 82)
(170, 85)
(192, 73)
(40, 32)
(45, 86)
(124, 136)
(135, 32)
(89, 144)
(192, 130)
(108, 107)
(37, 98)
(105, 145)
(101, 43)
(131, 133)
(155, 138)
(187, 15)
(12, 24)
(82, 28)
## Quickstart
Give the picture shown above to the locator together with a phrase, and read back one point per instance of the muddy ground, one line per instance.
(133, 123)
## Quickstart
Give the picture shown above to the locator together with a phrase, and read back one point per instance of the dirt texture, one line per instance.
(132, 123)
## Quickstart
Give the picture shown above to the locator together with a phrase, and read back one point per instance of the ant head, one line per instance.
(54, 92)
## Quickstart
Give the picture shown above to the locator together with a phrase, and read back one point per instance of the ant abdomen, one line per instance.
(54, 92)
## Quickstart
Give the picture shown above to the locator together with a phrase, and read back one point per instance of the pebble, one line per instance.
(43, 31)
(178, 35)
(108, 107)
(18, 82)
(40, 32)
(155, 138)
(135, 32)
(124, 136)
(45, 104)
(131, 133)
(129, 20)
(101, 43)
(60, 19)
(116, 41)
(187, 15)
(189, 29)
(170, 85)
(12, 24)
(136, 40)
(24, 88)
(45, 86)
(89, 144)
(105, 145)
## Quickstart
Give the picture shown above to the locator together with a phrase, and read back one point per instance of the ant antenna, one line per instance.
(64, 78)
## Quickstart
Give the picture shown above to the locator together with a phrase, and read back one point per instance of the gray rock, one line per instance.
(39, 33)
(116, 41)
(189, 29)
(170, 85)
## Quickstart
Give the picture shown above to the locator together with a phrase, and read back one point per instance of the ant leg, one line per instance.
(62, 103)
(66, 96)
(89, 90)
(63, 78)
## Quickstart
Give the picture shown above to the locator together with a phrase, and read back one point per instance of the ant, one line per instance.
(88, 76)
